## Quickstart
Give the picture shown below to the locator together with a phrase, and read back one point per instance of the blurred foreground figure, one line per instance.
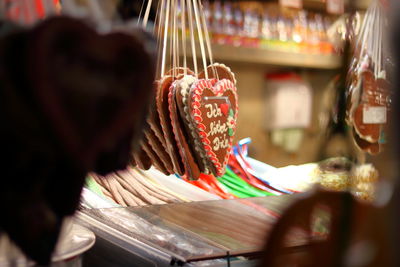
(72, 101)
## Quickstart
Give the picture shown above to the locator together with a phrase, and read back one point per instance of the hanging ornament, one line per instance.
(194, 113)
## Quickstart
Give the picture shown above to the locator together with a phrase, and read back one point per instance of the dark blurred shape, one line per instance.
(349, 225)
(129, 9)
(72, 101)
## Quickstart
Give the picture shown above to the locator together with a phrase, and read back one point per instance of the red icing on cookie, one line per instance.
(215, 129)
(224, 108)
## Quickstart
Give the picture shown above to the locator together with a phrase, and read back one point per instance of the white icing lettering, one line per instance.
(220, 143)
(213, 111)
(217, 128)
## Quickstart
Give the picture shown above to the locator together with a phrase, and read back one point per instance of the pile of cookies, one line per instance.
(191, 124)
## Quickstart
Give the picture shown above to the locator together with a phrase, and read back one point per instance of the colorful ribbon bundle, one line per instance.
(240, 180)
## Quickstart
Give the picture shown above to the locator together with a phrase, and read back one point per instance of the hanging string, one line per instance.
(177, 51)
(169, 33)
(161, 11)
(183, 28)
(140, 13)
(146, 15)
(165, 39)
(365, 42)
(155, 28)
(381, 29)
(173, 38)
(192, 39)
(376, 48)
(200, 34)
(208, 42)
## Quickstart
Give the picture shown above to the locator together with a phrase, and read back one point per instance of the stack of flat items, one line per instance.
(134, 187)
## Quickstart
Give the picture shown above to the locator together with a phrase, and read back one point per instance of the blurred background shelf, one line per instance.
(226, 53)
(320, 5)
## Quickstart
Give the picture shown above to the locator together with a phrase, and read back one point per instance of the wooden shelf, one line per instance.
(225, 53)
(320, 5)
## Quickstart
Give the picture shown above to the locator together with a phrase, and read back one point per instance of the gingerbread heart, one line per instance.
(166, 124)
(370, 115)
(93, 88)
(164, 120)
(141, 159)
(214, 129)
(182, 94)
(156, 160)
(218, 71)
(158, 149)
(186, 152)
(179, 73)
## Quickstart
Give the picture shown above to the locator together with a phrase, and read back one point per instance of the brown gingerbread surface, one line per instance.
(182, 100)
(218, 71)
(155, 159)
(154, 121)
(192, 170)
(142, 159)
(158, 149)
(166, 124)
(178, 73)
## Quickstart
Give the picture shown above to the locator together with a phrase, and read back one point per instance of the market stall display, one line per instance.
(266, 26)
(83, 96)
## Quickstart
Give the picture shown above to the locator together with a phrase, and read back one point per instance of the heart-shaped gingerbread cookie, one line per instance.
(182, 138)
(370, 115)
(213, 108)
(218, 71)
(93, 88)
